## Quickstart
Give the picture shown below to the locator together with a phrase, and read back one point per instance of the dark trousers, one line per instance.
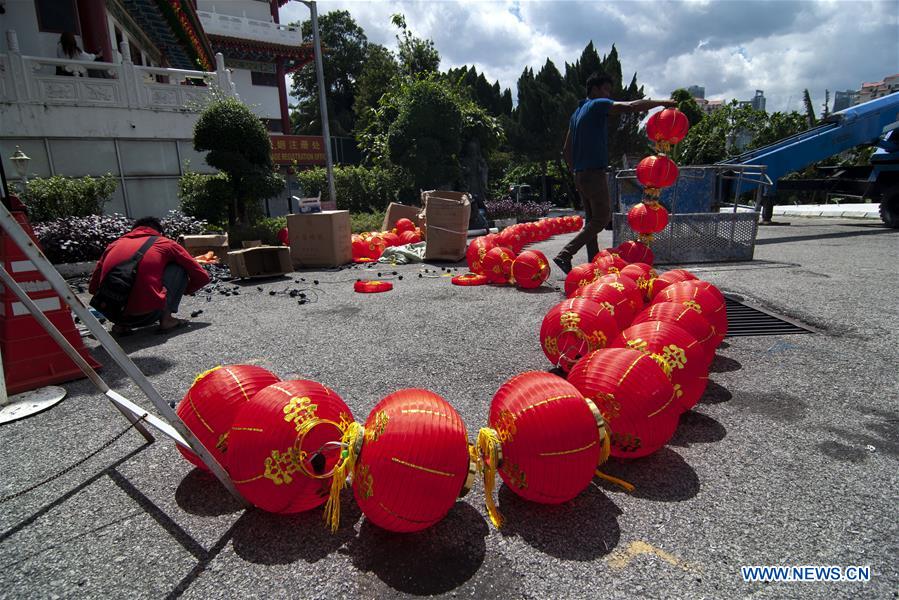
(174, 280)
(593, 187)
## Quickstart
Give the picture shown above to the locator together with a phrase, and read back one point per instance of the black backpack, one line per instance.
(112, 295)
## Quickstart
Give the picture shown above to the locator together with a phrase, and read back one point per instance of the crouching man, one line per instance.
(164, 273)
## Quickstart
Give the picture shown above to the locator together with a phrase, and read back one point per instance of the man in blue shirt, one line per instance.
(587, 153)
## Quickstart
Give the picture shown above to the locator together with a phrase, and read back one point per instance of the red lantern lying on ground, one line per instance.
(580, 276)
(667, 278)
(497, 265)
(409, 237)
(634, 396)
(667, 128)
(530, 269)
(574, 328)
(700, 298)
(413, 463)
(372, 286)
(210, 404)
(276, 440)
(475, 254)
(685, 317)
(627, 285)
(403, 225)
(469, 280)
(612, 299)
(633, 252)
(543, 438)
(642, 274)
(679, 354)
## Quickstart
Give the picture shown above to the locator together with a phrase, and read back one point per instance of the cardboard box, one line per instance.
(197, 245)
(446, 221)
(261, 261)
(320, 239)
(397, 211)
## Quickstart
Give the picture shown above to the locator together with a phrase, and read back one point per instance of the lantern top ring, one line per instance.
(301, 436)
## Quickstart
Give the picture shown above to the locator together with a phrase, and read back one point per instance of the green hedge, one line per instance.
(61, 197)
(359, 189)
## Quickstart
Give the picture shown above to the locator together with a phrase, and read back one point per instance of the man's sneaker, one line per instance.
(563, 263)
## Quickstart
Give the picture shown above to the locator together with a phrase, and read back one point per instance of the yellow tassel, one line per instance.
(204, 374)
(490, 450)
(628, 487)
(352, 445)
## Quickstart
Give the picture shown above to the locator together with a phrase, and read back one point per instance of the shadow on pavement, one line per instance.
(272, 539)
(200, 493)
(715, 393)
(723, 364)
(664, 476)
(824, 236)
(583, 529)
(697, 428)
(434, 561)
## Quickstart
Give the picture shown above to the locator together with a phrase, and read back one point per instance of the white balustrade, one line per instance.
(249, 29)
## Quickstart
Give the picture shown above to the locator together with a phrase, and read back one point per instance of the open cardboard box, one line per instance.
(197, 245)
(261, 261)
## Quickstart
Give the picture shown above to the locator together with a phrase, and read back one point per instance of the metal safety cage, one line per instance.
(727, 234)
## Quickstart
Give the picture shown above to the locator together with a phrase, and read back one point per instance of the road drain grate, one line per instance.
(745, 320)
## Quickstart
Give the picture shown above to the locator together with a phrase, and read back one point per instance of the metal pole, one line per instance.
(323, 103)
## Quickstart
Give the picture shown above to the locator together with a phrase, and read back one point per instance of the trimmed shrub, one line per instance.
(61, 197)
(206, 197)
(359, 189)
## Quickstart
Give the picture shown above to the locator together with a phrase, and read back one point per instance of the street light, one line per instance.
(20, 161)
(323, 104)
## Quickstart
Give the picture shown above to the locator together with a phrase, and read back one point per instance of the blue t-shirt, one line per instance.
(589, 134)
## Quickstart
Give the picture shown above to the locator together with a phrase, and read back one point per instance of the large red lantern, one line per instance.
(700, 299)
(403, 225)
(608, 262)
(414, 461)
(634, 396)
(647, 218)
(679, 354)
(656, 172)
(510, 237)
(391, 239)
(580, 276)
(613, 300)
(497, 264)
(686, 317)
(409, 237)
(627, 285)
(642, 274)
(633, 252)
(475, 254)
(574, 328)
(667, 278)
(545, 439)
(276, 440)
(530, 269)
(667, 128)
(210, 404)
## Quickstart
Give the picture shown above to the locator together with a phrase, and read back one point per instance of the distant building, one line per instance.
(878, 89)
(843, 100)
(709, 106)
(697, 91)
(758, 102)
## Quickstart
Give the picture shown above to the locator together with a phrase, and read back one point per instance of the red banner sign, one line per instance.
(301, 149)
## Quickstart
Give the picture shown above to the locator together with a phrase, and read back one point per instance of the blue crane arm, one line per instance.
(857, 125)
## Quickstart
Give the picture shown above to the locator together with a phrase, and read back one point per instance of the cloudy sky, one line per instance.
(732, 47)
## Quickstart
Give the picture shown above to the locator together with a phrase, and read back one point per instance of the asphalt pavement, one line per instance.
(791, 458)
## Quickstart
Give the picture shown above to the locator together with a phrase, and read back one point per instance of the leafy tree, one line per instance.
(687, 104)
(238, 145)
(61, 197)
(344, 50)
(380, 70)
(417, 56)
(489, 97)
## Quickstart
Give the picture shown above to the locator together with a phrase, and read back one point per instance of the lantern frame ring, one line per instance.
(301, 436)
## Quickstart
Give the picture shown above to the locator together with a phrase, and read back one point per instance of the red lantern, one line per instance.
(632, 252)
(469, 280)
(574, 328)
(704, 285)
(685, 317)
(580, 276)
(679, 354)
(530, 269)
(284, 236)
(475, 254)
(409, 237)
(655, 172)
(642, 274)
(403, 225)
(210, 404)
(609, 262)
(414, 461)
(372, 286)
(647, 218)
(497, 264)
(391, 239)
(634, 396)
(510, 237)
(700, 299)
(274, 439)
(666, 279)
(613, 300)
(627, 285)
(578, 222)
(667, 127)
(544, 438)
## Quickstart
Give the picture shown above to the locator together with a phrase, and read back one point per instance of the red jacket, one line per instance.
(148, 294)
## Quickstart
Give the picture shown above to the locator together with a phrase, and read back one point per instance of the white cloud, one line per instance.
(732, 48)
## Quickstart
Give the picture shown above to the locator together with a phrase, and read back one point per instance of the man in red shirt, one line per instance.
(164, 275)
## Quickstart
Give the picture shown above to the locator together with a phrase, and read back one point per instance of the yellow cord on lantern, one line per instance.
(606, 436)
(490, 450)
(205, 373)
(351, 441)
